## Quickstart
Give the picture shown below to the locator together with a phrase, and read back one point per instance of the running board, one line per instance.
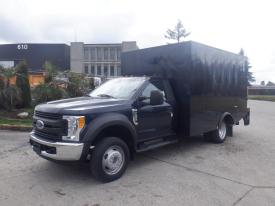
(149, 146)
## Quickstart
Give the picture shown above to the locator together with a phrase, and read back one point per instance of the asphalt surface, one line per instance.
(239, 172)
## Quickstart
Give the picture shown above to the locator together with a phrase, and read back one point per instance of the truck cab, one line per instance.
(122, 116)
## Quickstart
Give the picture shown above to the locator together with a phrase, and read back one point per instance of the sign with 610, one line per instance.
(22, 46)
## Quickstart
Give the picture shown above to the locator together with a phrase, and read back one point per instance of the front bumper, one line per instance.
(56, 150)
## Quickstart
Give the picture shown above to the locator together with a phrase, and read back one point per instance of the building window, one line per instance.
(106, 54)
(99, 54)
(7, 64)
(112, 70)
(86, 53)
(86, 69)
(98, 69)
(118, 53)
(112, 53)
(118, 71)
(105, 70)
(92, 70)
(93, 54)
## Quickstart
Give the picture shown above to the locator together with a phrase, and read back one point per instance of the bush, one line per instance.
(50, 71)
(10, 97)
(78, 85)
(48, 92)
(9, 94)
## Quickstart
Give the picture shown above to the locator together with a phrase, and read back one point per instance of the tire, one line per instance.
(109, 159)
(219, 135)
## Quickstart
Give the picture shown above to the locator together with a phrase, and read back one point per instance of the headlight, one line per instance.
(75, 124)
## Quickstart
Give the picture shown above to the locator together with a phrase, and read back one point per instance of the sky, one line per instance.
(229, 25)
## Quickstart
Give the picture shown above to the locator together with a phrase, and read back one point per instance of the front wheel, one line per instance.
(219, 135)
(109, 159)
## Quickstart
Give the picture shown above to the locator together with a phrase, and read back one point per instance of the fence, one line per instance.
(261, 90)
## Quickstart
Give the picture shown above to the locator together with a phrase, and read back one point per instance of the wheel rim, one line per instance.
(113, 160)
(222, 130)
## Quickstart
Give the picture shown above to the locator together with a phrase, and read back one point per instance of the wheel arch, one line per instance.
(228, 118)
(112, 125)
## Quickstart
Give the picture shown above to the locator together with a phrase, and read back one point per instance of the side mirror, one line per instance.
(156, 98)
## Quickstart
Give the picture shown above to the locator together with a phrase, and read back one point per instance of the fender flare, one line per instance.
(227, 114)
(106, 120)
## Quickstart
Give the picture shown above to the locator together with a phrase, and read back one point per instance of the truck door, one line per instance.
(154, 120)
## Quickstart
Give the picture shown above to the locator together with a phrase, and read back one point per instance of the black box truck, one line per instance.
(166, 93)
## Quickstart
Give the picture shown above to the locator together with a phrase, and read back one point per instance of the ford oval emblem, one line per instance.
(39, 124)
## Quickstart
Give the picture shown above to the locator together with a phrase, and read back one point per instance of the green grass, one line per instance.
(18, 122)
(10, 117)
(13, 114)
(262, 97)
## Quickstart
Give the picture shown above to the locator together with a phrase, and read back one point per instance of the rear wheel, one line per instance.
(109, 159)
(219, 135)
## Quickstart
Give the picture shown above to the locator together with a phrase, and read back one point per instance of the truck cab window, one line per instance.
(153, 85)
(119, 88)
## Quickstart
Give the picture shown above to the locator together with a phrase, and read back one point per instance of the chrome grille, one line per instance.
(54, 126)
(47, 115)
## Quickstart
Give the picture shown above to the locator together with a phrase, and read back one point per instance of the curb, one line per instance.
(15, 127)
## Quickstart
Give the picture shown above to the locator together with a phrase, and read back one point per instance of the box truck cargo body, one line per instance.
(206, 81)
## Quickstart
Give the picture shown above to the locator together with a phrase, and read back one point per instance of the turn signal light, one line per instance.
(81, 122)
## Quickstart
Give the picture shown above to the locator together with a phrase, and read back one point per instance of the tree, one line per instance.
(2, 82)
(50, 71)
(250, 77)
(22, 82)
(50, 90)
(262, 83)
(9, 95)
(269, 83)
(7, 74)
(177, 33)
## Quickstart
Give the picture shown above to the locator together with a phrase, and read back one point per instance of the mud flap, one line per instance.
(229, 130)
(246, 119)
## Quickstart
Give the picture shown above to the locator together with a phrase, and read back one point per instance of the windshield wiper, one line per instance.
(105, 95)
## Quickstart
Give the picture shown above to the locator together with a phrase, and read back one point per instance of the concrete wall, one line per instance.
(77, 57)
(129, 46)
(82, 62)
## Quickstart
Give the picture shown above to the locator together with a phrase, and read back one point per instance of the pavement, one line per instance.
(239, 172)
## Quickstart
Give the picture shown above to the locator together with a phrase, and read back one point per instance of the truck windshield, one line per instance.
(119, 88)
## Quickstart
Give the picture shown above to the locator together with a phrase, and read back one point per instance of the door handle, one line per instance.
(171, 114)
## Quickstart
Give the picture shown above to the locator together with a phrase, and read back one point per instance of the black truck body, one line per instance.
(206, 81)
(168, 92)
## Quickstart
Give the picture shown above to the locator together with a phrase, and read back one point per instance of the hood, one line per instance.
(82, 105)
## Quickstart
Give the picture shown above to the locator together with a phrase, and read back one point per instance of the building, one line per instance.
(93, 59)
(99, 59)
(35, 55)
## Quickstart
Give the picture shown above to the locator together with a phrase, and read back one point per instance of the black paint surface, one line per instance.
(206, 81)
